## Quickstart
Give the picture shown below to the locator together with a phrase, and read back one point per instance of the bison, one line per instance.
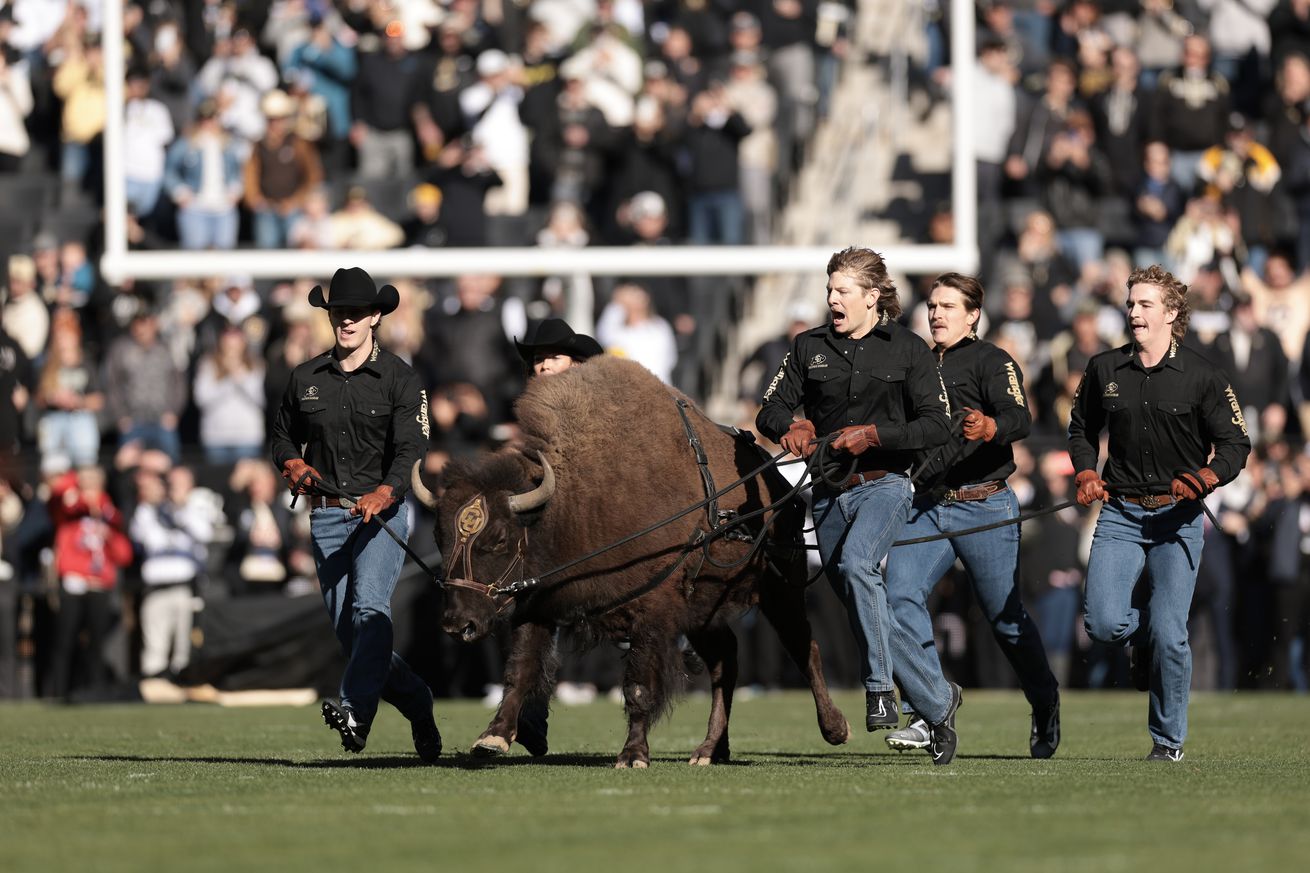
(606, 453)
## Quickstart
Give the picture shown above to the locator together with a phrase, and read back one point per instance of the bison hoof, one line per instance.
(490, 747)
(701, 760)
(633, 760)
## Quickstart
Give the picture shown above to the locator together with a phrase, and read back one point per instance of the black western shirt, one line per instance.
(1160, 420)
(360, 429)
(887, 378)
(978, 375)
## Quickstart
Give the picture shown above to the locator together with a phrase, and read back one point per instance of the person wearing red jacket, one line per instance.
(90, 548)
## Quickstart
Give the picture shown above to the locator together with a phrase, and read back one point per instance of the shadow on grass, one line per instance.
(466, 761)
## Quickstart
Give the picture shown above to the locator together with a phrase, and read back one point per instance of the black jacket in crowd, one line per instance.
(978, 375)
(360, 429)
(1190, 113)
(887, 378)
(1160, 420)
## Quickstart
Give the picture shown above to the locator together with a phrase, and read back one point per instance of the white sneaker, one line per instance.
(915, 735)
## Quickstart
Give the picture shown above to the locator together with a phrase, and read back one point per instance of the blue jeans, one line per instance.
(221, 456)
(271, 228)
(75, 433)
(716, 217)
(358, 567)
(142, 195)
(992, 561)
(855, 529)
(1167, 543)
(75, 161)
(153, 436)
(202, 229)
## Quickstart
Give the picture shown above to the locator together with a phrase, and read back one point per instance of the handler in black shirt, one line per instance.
(361, 418)
(874, 384)
(960, 490)
(1166, 407)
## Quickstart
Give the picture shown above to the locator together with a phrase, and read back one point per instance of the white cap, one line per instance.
(492, 62)
(646, 204)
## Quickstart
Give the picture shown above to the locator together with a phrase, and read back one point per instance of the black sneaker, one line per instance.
(427, 739)
(532, 727)
(944, 738)
(880, 712)
(1139, 667)
(1045, 736)
(354, 735)
(1164, 753)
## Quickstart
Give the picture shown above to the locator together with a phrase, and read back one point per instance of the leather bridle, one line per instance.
(470, 522)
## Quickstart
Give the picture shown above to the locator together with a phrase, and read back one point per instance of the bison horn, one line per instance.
(420, 490)
(538, 496)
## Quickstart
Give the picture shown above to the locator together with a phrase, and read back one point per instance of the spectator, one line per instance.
(357, 225)
(1286, 109)
(237, 76)
(569, 144)
(70, 398)
(262, 525)
(1038, 123)
(464, 177)
(203, 176)
(15, 391)
(327, 67)
(15, 106)
(1075, 176)
(172, 535)
(1253, 358)
(425, 227)
(629, 327)
(282, 171)
(229, 392)
(749, 94)
(1157, 206)
(714, 134)
(147, 131)
(491, 114)
(468, 342)
(144, 389)
(1160, 31)
(383, 102)
(1242, 173)
(171, 73)
(80, 83)
(26, 318)
(90, 548)
(1190, 110)
(645, 160)
(1122, 113)
(994, 110)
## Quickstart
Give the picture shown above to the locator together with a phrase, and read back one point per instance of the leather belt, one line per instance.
(974, 492)
(861, 478)
(1151, 501)
(320, 501)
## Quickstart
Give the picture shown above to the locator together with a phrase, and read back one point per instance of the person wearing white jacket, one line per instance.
(15, 106)
(171, 533)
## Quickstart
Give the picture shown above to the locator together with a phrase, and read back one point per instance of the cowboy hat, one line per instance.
(555, 333)
(351, 286)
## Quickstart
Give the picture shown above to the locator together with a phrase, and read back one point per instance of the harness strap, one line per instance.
(703, 462)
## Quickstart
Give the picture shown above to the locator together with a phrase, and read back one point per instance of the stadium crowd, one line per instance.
(138, 488)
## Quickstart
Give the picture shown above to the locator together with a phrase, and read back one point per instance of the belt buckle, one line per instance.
(951, 496)
(1150, 501)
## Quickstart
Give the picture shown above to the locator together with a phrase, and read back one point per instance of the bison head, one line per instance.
(482, 530)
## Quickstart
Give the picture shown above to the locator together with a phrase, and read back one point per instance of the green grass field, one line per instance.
(198, 787)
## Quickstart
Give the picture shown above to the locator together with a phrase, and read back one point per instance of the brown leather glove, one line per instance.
(380, 499)
(799, 438)
(1091, 487)
(856, 439)
(295, 468)
(1194, 486)
(978, 426)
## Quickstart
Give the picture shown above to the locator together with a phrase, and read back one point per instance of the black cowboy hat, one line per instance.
(555, 333)
(351, 286)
